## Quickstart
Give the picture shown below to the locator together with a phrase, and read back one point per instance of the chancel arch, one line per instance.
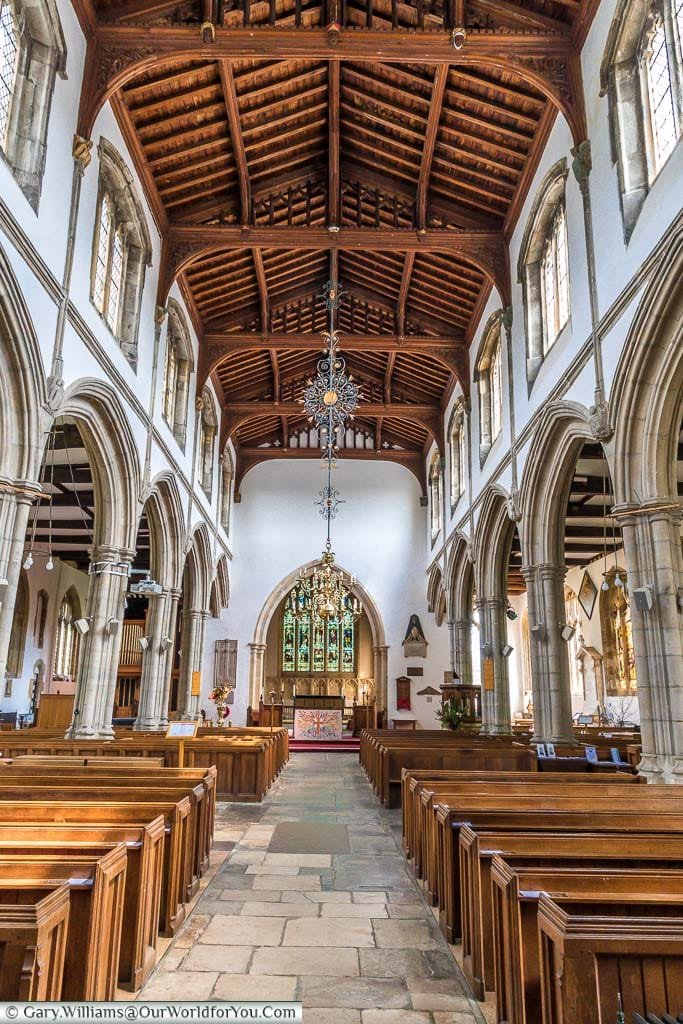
(268, 629)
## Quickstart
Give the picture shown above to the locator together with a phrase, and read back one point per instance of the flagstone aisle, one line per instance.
(315, 902)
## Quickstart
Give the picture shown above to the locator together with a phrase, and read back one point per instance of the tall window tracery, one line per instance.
(458, 454)
(555, 279)
(177, 371)
(313, 645)
(489, 377)
(66, 639)
(121, 252)
(206, 442)
(9, 53)
(642, 74)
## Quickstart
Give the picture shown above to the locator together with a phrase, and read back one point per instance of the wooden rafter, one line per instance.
(406, 276)
(433, 121)
(233, 112)
(334, 179)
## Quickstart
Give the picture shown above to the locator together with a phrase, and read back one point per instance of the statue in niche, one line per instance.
(414, 642)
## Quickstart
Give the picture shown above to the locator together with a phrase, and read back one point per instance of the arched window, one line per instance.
(543, 269)
(435, 496)
(42, 602)
(206, 442)
(313, 645)
(642, 74)
(121, 252)
(65, 662)
(489, 377)
(226, 490)
(617, 637)
(32, 52)
(457, 453)
(17, 638)
(177, 371)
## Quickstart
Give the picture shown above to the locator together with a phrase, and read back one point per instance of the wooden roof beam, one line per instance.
(233, 112)
(333, 117)
(185, 245)
(432, 130)
(406, 278)
(546, 60)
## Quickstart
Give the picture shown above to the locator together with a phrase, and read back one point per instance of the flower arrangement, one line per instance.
(219, 695)
(449, 714)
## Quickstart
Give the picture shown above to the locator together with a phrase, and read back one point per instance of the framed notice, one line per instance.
(196, 684)
(489, 677)
(181, 730)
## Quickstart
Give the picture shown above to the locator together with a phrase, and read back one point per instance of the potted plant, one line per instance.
(219, 695)
(449, 714)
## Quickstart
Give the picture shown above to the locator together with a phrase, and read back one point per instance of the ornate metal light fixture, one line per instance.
(329, 400)
(332, 397)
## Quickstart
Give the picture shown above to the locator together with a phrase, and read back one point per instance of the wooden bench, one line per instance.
(33, 931)
(591, 950)
(549, 849)
(515, 893)
(177, 847)
(532, 814)
(144, 846)
(96, 891)
(124, 791)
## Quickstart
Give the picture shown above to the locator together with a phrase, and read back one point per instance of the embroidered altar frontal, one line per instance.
(317, 724)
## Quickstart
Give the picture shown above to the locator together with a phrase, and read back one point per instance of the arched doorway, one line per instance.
(266, 628)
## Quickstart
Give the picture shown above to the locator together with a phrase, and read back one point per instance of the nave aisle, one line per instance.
(314, 902)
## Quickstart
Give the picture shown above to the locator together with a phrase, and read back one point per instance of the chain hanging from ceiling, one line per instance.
(330, 401)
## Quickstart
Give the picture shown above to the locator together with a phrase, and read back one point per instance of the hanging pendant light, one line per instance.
(330, 401)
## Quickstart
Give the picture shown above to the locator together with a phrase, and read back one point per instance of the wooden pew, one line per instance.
(96, 890)
(144, 846)
(416, 812)
(531, 814)
(591, 950)
(177, 848)
(33, 931)
(515, 893)
(520, 788)
(140, 774)
(124, 791)
(551, 849)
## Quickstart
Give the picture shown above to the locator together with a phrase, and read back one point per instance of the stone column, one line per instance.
(495, 714)
(99, 659)
(257, 673)
(381, 671)
(164, 690)
(14, 513)
(655, 567)
(550, 679)
(463, 650)
(192, 645)
(153, 664)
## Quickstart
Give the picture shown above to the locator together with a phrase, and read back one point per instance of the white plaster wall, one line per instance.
(379, 535)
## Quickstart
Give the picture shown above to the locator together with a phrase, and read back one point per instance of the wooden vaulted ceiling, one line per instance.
(285, 142)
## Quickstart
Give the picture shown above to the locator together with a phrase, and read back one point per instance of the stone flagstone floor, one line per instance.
(315, 902)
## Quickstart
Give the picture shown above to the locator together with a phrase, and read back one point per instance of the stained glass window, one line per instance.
(303, 646)
(288, 642)
(9, 48)
(333, 645)
(312, 645)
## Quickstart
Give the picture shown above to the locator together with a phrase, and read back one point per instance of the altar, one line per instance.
(318, 717)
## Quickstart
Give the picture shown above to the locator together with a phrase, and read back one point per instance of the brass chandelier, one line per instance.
(330, 401)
